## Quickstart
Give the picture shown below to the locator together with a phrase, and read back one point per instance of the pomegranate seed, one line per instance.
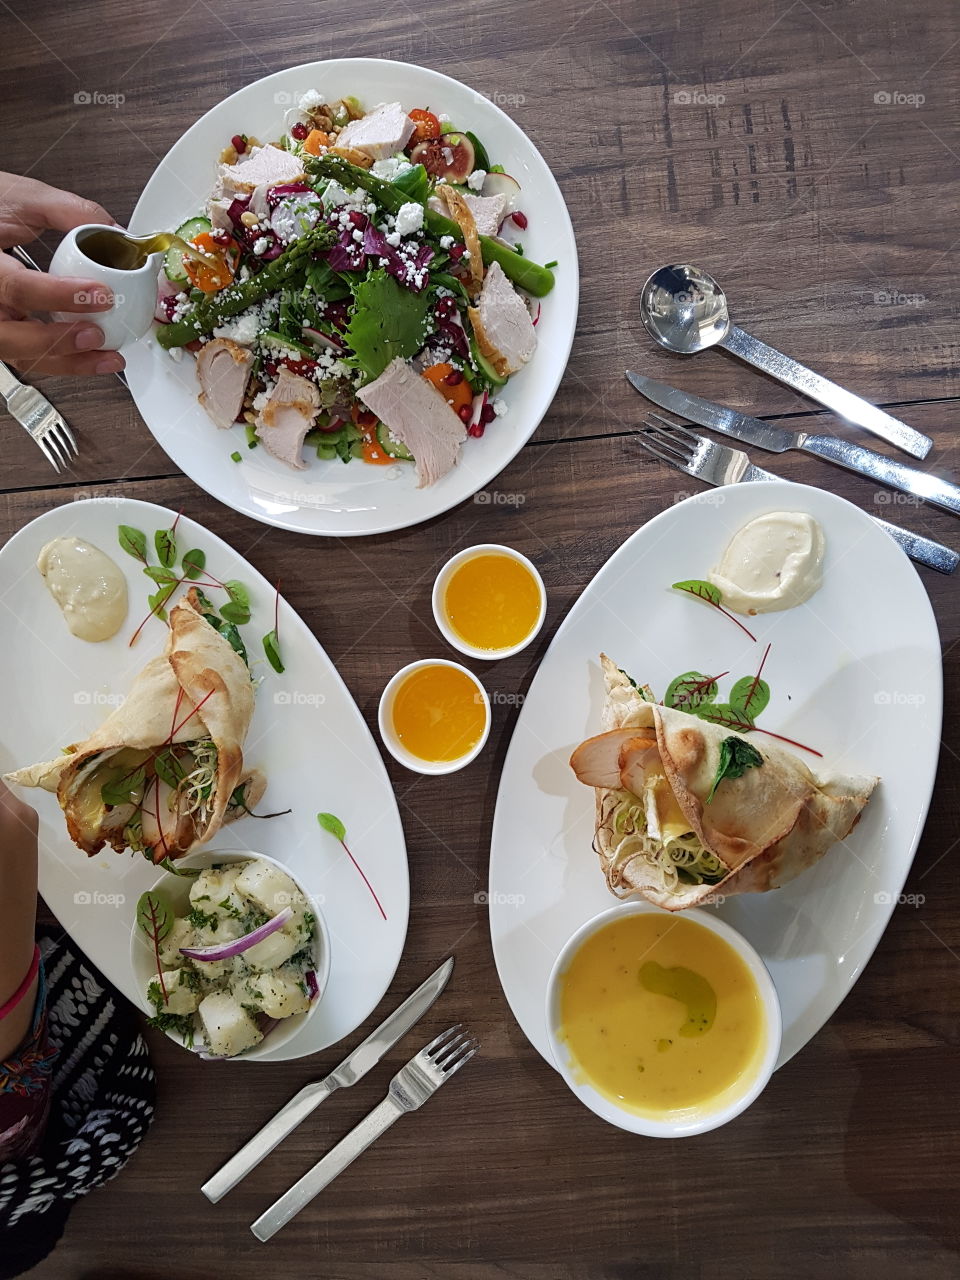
(358, 219)
(476, 430)
(520, 219)
(487, 413)
(457, 251)
(445, 308)
(299, 131)
(239, 143)
(454, 377)
(466, 412)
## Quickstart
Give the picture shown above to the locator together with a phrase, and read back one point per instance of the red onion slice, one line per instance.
(236, 946)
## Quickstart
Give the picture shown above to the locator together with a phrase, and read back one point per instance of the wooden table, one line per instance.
(752, 137)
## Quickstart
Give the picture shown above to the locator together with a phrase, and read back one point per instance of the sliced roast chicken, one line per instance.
(380, 133)
(267, 165)
(416, 414)
(223, 369)
(487, 212)
(501, 322)
(290, 411)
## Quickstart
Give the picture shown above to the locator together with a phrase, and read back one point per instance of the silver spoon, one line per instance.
(685, 310)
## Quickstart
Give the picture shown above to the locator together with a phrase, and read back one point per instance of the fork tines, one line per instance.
(669, 441)
(450, 1050)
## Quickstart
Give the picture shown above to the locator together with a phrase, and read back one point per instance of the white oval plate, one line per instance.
(854, 672)
(306, 734)
(328, 497)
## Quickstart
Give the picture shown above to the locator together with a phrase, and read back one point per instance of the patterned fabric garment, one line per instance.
(89, 1065)
(25, 1081)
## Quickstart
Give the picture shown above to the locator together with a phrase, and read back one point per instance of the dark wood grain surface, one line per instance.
(744, 136)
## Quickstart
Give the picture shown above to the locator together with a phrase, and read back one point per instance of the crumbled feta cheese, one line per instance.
(175, 353)
(391, 168)
(358, 236)
(261, 245)
(242, 328)
(443, 118)
(409, 218)
(446, 242)
(260, 399)
(499, 407)
(310, 100)
(393, 238)
(476, 179)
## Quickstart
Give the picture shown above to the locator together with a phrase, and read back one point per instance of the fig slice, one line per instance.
(450, 157)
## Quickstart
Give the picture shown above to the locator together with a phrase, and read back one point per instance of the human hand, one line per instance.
(27, 208)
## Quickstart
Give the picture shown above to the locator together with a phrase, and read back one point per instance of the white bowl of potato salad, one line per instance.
(231, 954)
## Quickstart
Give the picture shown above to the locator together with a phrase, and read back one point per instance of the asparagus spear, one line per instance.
(216, 308)
(528, 275)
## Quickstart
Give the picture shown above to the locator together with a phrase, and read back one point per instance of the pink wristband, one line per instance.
(24, 986)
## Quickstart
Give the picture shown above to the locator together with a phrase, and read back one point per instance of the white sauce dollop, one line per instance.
(774, 562)
(87, 585)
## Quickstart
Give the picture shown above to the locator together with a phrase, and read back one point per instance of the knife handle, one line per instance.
(262, 1143)
(944, 493)
(852, 407)
(325, 1170)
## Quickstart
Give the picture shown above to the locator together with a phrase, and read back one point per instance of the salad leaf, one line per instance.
(194, 563)
(750, 695)
(237, 610)
(415, 183)
(271, 647)
(155, 915)
(165, 541)
(158, 574)
(736, 757)
(690, 691)
(119, 790)
(386, 321)
(133, 542)
(331, 823)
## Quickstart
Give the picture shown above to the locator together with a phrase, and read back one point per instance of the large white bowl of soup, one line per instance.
(665, 1024)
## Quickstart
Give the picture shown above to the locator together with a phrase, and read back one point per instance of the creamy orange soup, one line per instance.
(660, 1015)
(492, 601)
(438, 713)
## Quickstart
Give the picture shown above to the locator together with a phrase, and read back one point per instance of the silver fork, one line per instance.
(39, 419)
(409, 1089)
(719, 464)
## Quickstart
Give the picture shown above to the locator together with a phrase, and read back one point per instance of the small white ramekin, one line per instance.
(389, 734)
(688, 1124)
(440, 586)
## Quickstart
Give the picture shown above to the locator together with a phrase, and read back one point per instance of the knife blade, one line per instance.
(776, 439)
(354, 1066)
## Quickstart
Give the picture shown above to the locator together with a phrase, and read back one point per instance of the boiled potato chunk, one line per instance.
(181, 998)
(228, 1027)
(274, 951)
(279, 994)
(217, 885)
(269, 887)
(180, 935)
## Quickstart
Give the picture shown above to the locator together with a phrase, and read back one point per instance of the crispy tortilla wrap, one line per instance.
(170, 758)
(661, 833)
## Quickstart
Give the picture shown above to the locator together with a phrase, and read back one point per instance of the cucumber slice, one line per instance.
(392, 448)
(484, 365)
(173, 267)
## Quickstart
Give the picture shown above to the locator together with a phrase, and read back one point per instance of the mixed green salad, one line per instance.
(356, 243)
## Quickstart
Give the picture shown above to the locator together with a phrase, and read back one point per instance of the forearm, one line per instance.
(18, 911)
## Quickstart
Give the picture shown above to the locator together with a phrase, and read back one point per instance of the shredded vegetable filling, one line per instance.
(671, 862)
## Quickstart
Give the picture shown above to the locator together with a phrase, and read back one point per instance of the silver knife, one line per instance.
(353, 1068)
(777, 439)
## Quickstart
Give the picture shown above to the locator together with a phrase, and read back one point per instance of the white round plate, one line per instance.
(854, 672)
(306, 734)
(329, 497)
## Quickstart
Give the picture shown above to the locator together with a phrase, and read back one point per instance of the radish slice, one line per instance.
(501, 184)
(317, 338)
(236, 947)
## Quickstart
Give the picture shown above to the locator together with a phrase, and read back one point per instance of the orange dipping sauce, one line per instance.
(492, 601)
(438, 713)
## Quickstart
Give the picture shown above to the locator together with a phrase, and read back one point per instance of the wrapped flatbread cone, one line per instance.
(165, 770)
(688, 811)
